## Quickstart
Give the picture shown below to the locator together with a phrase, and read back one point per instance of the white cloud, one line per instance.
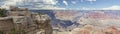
(50, 1)
(91, 0)
(52, 7)
(12, 2)
(32, 4)
(88, 0)
(87, 8)
(74, 2)
(47, 7)
(65, 2)
(115, 7)
(8, 3)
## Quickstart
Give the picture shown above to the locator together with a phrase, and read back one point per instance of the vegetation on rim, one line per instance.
(2, 12)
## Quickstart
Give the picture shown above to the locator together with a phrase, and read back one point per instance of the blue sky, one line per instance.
(64, 4)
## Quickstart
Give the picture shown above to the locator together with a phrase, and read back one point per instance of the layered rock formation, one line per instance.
(88, 29)
(20, 21)
(6, 24)
(98, 20)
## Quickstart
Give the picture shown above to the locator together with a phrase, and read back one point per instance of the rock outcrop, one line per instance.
(15, 11)
(6, 24)
(43, 24)
(20, 20)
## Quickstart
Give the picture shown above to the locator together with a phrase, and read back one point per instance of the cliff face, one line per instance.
(20, 21)
(6, 24)
(42, 22)
(66, 15)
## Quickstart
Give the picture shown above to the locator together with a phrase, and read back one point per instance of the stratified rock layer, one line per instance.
(88, 29)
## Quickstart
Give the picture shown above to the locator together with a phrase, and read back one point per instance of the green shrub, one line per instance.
(2, 12)
(1, 32)
(14, 31)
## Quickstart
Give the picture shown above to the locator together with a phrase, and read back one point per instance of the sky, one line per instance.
(63, 4)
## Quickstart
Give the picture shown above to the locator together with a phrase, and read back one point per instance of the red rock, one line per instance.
(111, 30)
